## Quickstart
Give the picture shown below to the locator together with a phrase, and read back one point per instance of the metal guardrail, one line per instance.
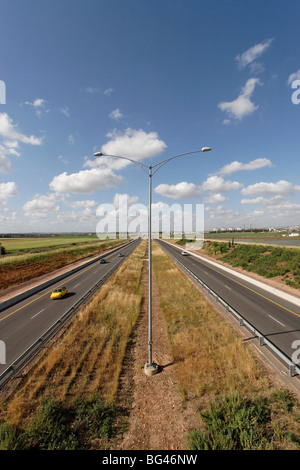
(293, 368)
(18, 365)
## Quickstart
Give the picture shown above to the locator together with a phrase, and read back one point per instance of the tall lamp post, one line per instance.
(150, 367)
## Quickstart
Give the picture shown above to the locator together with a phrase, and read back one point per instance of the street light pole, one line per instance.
(150, 367)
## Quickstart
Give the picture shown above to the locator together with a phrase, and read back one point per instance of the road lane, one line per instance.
(22, 324)
(273, 316)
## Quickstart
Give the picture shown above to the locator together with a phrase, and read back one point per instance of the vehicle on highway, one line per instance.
(120, 254)
(184, 253)
(58, 293)
(102, 261)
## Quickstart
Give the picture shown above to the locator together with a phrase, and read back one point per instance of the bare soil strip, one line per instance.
(159, 419)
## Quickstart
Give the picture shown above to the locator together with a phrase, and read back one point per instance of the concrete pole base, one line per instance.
(151, 369)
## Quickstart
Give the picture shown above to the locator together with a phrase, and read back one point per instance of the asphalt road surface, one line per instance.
(24, 323)
(277, 319)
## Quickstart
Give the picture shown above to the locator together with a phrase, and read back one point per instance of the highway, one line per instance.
(277, 319)
(24, 323)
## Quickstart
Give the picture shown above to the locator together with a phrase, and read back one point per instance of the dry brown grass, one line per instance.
(211, 358)
(212, 361)
(88, 357)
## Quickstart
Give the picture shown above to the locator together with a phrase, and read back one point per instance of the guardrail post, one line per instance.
(292, 369)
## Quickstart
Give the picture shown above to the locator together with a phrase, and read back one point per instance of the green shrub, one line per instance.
(55, 427)
(11, 438)
(50, 428)
(284, 399)
(266, 261)
(96, 416)
(234, 423)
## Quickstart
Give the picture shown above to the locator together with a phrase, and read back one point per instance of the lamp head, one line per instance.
(206, 149)
(98, 154)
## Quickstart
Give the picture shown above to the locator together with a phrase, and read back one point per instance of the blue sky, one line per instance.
(148, 80)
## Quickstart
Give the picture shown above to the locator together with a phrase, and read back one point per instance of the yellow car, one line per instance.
(58, 293)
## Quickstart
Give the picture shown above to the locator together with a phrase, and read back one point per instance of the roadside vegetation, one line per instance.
(67, 401)
(20, 245)
(240, 408)
(70, 398)
(265, 260)
(38, 259)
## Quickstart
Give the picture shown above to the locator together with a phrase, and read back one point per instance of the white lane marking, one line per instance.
(275, 319)
(228, 287)
(37, 313)
(77, 285)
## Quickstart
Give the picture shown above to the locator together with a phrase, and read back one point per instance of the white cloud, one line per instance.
(238, 166)
(62, 159)
(293, 76)
(242, 106)
(286, 208)
(215, 199)
(39, 105)
(250, 55)
(11, 141)
(220, 213)
(9, 131)
(4, 163)
(108, 91)
(85, 181)
(213, 184)
(40, 206)
(280, 187)
(87, 204)
(116, 114)
(217, 184)
(132, 143)
(262, 200)
(124, 199)
(178, 191)
(71, 139)
(91, 89)
(65, 110)
(8, 190)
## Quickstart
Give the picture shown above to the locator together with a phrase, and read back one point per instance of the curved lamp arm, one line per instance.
(157, 165)
(140, 164)
(160, 164)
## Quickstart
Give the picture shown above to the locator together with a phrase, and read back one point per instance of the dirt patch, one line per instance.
(159, 419)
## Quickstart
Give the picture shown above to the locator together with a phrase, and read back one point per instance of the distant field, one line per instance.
(14, 246)
(275, 235)
(264, 238)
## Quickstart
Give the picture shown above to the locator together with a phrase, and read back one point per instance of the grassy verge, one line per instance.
(67, 401)
(24, 245)
(17, 269)
(267, 261)
(240, 408)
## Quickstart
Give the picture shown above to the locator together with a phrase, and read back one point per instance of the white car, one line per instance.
(184, 253)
